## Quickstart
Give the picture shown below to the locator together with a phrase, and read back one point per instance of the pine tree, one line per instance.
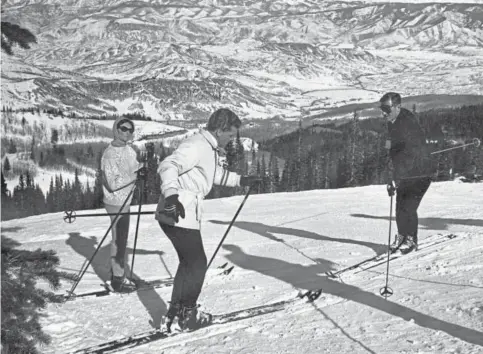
(274, 174)
(41, 160)
(97, 189)
(4, 187)
(240, 155)
(76, 192)
(22, 300)
(12, 148)
(6, 166)
(14, 34)
(50, 198)
(28, 180)
(54, 139)
(32, 150)
(8, 211)
(285, 181)
(21, 182)
(355, 153)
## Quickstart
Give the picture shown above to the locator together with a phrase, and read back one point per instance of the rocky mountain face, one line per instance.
(182, 59)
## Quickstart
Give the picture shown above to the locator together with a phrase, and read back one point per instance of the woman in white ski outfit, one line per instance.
(187, 176)
(119, 166)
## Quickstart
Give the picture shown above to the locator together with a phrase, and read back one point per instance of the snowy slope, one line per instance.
(281, 243)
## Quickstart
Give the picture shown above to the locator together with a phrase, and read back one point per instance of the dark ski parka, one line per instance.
(408, 149)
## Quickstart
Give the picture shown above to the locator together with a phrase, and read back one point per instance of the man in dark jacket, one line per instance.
(410, 176)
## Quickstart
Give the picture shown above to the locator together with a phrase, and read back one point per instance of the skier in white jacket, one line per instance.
(120, 170)
(187, 176)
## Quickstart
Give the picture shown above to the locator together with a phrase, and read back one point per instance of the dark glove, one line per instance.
(173, 207)
(391, 189)
(250, 181)
(142, 172)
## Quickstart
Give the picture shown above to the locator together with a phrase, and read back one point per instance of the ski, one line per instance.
(154, 335)
(381, 258)
(140, 286)
(397, 255)
(127, 289)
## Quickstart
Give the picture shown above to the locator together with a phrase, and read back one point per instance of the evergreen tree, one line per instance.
(54, 139)
(21, 182)
(6, 165)
(240, 155)
(8, 211)
(12, 148)
(97, 189)
(76, 192)
(22, 300)
(4, 188)
(355, 153)
(28, 180)
(13, 34)
(285, 181)
(32, 150)
(41, 160)
(50, 198)
(274, 174)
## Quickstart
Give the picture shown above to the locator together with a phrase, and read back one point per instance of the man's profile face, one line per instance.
(224, 137)
(389, 111)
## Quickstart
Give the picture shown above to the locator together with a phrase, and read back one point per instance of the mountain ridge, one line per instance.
(263, 60)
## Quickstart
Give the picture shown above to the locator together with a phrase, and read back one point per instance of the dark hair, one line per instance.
(125, 120)
(390, 99)
(223, 119)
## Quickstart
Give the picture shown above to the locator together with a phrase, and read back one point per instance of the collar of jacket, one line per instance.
(404, 114)
(209, 138)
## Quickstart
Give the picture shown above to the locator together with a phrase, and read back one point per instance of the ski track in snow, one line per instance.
(282, 243)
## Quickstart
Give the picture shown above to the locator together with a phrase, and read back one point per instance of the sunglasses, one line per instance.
(386, 109)
(126, 129)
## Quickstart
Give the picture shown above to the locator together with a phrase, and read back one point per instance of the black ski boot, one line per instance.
(398, 241)
(410, 244)
(191, 319)
(117, 283)
(173, 312)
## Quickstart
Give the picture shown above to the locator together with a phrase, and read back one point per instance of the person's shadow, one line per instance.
(430, 223)
(307, 277)
(268, 231)
(86, 246)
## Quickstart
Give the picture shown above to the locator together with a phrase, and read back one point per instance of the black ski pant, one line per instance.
(409, 194)
(190, 275)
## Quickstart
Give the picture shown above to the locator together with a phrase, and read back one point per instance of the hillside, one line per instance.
(279, 244)
(182, 59)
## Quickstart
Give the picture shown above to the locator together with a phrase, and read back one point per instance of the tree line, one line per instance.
(316, 157)
(354, 153)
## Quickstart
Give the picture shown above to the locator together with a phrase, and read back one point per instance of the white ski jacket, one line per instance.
(191, 172)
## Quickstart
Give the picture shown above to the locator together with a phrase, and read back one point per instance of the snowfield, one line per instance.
(280, 244)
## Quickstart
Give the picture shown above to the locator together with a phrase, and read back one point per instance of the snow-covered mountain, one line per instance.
(281, 243)
(181, 59)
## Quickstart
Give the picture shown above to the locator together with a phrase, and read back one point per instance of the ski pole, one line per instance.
(83, 270)
(141, 193)
(476, 142)
(70, 215)
(229, 226)
(387, 291)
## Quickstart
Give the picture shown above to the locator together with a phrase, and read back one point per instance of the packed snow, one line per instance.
(280, 244)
